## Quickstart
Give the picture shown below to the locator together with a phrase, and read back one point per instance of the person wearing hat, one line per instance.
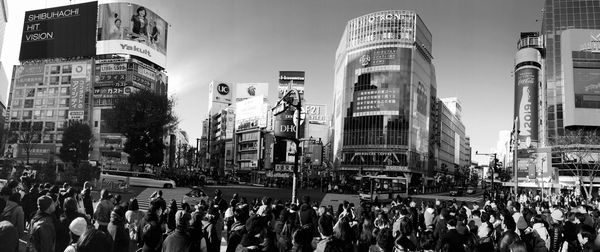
(557, 231)
(179, 240)
(77, 227)
(42, 232)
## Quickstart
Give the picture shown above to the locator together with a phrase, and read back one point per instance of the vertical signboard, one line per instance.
(219, 95)
(65, 31)
(80, 81)
(251, 113)
(128, 28)
(526, 105)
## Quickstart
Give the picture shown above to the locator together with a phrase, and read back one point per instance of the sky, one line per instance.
(474, 43)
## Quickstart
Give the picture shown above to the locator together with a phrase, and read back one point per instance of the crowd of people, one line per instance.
(52, 218)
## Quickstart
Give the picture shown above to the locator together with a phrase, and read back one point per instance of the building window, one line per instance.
(54, 69)
(49, 113)
(59, 137)
(66, 68)
(49, 126)
(18, 93)
(17, 103)
(30, 92)
(54, 80)
(41, 92)
(37, 114)
(48, 138)
(62, 113)
(52, 91)
(65, 79)
(38, 102)
(50, 101)
(64, 90)
(27, 114)
(14, 114)
(63, 102)
(60, 126)
(28, 103)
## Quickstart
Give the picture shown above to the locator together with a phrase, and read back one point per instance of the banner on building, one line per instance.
(129, 28)
(249, 90)
(526, 105)
(293, 80)
(60, 32)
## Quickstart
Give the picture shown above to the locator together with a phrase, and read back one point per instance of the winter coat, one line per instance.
(542, 232)
(43, 235)
(8, 236)
(238, 230)
(508, 238)
(86, 195)
(116, 230)
(102, 212)
(151, 234)
(177, 241)
(13, 213)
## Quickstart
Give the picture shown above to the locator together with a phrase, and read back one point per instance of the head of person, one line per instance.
(385, 240)
(484, 230)
(141, 11)
(451, 223)
(46, 204)
(70, 205)
(155, 208)
(77, 227)
(218, 193)
(94, 240)
(586, 234)
(133, 205)
(173, 205)
(87, 185)
(182, 219)
(5, 192)
(118, 22)
(104, 195)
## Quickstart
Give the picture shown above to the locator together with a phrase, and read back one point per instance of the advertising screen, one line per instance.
(251, 113)
(284, 125)
(295, 79)
(66, 31)
(80, 84)
(219, 92)
(132, 29)
(587, 87)
(249, 90)
(29, 75)
(526, 108)
(316, 114)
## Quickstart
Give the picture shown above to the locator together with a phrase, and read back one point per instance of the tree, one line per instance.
(144, 117)
(580, 153)
(76, 143)
(29, 135)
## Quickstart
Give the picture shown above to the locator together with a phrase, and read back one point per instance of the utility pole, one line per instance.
(494, 164)
(197, 151)
(515, 150)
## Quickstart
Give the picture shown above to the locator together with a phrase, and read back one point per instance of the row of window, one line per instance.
(37, 126)
(41, 92)
(48, 102)
(41, 138)
(38, 114)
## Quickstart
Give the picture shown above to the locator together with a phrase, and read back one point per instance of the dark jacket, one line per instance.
(178, 240)
(506, 240)
(120, 236)
(453, 240)
(209, 231)
(238, 230)
(557, 237)
(151, 234)
(13, 212)
(8, 237)
(43, 234)
(62, 230)
(88, 202)
(534, 242)
(29, 204)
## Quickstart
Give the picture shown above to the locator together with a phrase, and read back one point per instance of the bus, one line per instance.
(382, 188)
(135, 179)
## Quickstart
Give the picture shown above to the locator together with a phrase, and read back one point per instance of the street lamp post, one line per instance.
(197, 151)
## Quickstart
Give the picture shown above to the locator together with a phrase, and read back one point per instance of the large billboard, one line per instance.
(60, 32)
(526, 105)
(132, 29)
(80, 84)
(293, 79)
(587, 87)
(316, 114)
(251, 113)
(248, 90)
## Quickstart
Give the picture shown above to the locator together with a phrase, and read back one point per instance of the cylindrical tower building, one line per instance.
(384, 87)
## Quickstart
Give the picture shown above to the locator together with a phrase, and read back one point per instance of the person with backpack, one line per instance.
(42, 231)
(134, 218)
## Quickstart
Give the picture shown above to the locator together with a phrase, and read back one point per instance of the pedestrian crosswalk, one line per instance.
(168, 194)
(445, 198)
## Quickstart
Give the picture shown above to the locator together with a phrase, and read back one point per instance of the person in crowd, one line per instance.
(77, 227)
(103, 210)
(87, 199)
(13, 212)
(29, 203)
(171, 212)
(134, 218)
(179, 240)
(42, 231)
(152, 231)
(69, 214)
(94, 240)
(9, 238)
(238, 228)
(452, 240)
(116, 229)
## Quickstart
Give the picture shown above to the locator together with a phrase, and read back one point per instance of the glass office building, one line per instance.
(384, 81)
(558, 16)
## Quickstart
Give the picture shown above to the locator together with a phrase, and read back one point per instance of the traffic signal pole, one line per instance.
(297, 155)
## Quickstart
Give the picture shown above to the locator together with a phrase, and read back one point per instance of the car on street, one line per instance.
(135, 179)
(194, 196)
(457, 191)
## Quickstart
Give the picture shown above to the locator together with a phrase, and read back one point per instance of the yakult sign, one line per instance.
(526, 100)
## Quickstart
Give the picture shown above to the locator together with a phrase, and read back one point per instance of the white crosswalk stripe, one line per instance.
(442, 197)
(168, 194)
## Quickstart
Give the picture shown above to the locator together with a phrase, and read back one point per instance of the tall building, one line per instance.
(561, 112)
(453, 148)
(89, 62)
(384, 81)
